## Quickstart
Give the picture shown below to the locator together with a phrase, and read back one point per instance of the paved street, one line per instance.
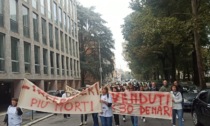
(75, 120)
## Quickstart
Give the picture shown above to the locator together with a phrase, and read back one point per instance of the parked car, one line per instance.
(201, 109)
(188, 99)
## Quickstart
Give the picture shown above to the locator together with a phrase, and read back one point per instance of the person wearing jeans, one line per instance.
(177, 106)
(106, 103)
(95, 119)
(134, 120)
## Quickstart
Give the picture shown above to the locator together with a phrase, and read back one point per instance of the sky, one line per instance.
(114, 12)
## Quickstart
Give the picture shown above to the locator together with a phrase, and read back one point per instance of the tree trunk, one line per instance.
(195, 7)
(173, 63)
(195, 69)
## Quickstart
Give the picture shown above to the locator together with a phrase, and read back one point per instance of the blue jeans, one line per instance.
(178, 112)
(134, 120)
(106, 121)
(95, 119)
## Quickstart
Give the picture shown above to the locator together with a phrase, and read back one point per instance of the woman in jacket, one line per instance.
(106, 114)
(177, 105)
(14, 114)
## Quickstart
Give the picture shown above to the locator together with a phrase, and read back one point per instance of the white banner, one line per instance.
(34, 98)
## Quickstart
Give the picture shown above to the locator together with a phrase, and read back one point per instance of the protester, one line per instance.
(141, 88)
(153, 87)
(58, 94)
(106, 114)
(83, 115)
(134, 119)
(116, 116)
(180, 89)
(14, 114)
(95, 119)
(85, 123)
(177, 106)
(65, 95)
(165, 87)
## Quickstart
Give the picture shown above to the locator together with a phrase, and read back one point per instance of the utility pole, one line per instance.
(100, 69)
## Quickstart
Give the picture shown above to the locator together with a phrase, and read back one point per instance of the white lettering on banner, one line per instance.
(146, 104)
(33, 98)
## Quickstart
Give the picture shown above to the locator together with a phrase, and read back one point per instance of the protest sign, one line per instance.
(145, 104)
(71, 91)
(33, 98)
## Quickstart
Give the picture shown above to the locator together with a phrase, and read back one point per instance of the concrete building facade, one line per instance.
(38, 41)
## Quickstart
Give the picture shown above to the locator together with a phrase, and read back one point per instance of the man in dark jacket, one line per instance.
(153, 87)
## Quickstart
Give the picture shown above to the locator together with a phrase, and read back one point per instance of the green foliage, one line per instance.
(159, 35)
(92, 31)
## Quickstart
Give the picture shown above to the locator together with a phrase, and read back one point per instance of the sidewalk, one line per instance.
(27, 116)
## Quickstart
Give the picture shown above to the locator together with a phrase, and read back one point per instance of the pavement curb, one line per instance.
(38, 120)
(2, 114)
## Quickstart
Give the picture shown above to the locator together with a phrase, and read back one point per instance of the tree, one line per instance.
(92, 31)
(160, 39)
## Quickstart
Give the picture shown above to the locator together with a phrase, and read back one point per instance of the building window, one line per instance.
(13, 16)
(52, 62)
(42, 2)
(68, 24)
(61, 40)
(57, 63)
(73, 47)
(26, 30)
(55, 12)
(67, 66)
(71, 67)
(70, 46)
(78, 69)
(44, 33)
(1, 13)
(37, 59)
(56, 39)
(77, 55)
(34, 4)
(27, 57)
(75, 69)
(45, 61)
(66, 44)
(72, 28)
(1, 52)
(75, 30)
(67, 6)
(64, 21)
(51, 35)
(49, 9)
(63, 69)
(14, 54)
(36, 27)
(60, 16)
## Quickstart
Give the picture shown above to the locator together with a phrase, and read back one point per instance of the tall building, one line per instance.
(38, 41)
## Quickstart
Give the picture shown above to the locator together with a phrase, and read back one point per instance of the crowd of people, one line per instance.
(14, 113)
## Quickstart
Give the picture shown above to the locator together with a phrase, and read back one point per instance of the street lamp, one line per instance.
(100, 69)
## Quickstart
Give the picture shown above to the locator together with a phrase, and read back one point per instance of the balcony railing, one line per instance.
(26, 31)
(1, 20)
(13, 26)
